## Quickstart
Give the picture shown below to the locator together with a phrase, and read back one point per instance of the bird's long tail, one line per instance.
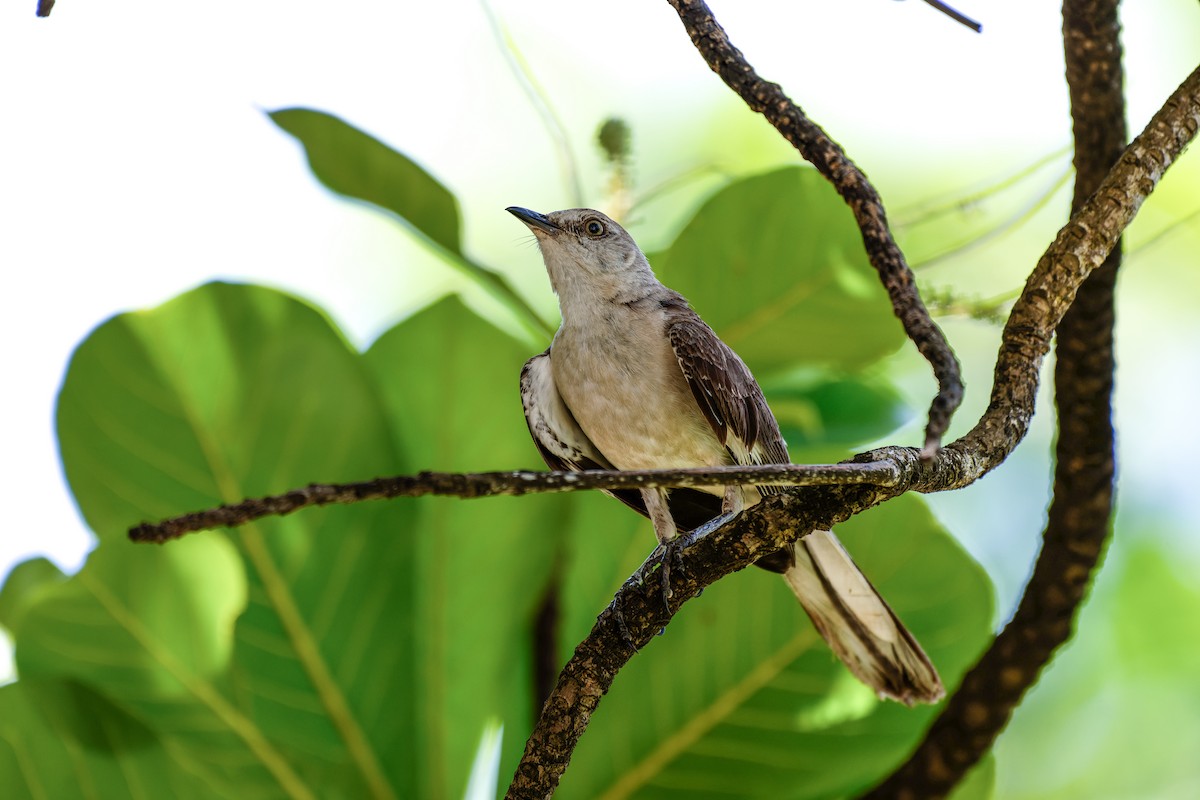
(858, 624)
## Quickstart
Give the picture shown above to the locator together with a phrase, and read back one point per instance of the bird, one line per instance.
(634, 379)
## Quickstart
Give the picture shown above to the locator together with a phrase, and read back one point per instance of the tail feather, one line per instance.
(858, 624)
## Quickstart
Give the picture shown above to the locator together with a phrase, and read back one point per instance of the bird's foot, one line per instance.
(636, 579)
(665, 558)
(626, 636)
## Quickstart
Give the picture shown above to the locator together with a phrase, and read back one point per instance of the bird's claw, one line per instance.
(665, 556)
(662, 558)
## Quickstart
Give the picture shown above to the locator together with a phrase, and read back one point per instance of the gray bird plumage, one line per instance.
(634, 379)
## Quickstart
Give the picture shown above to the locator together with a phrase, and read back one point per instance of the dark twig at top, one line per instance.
(956, 15)
(1079, 519)
(831, 161)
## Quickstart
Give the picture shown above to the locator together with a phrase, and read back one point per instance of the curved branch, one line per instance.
(1078, 525)
(711, 553)
(832, 162)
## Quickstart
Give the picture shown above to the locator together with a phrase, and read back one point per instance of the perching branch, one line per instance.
(832, 162)
(708, 555)
(1079, 520)
(492, 484)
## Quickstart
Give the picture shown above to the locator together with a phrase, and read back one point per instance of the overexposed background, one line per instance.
(136, 162)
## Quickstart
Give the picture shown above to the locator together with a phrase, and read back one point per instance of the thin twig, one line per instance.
(1014, 223)
(538, 98)
(937, 207)
(957, 16)
(493, 484)
(832, 162)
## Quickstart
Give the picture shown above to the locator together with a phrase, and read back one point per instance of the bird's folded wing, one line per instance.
(726, 392)
(562, 443)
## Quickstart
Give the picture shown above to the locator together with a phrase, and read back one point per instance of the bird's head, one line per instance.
(586, 252)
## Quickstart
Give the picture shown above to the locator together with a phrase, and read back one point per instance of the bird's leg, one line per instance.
(668, 542)
(668, 538)
(734, 501)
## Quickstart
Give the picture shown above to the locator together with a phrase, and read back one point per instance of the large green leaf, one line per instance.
(775, 264)
(43, 756)
(450, 383)
(741, 698)
(826, 418)
(359, 166)
(224, 392)
(23, 586)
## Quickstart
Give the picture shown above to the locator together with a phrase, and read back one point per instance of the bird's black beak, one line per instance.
(533, 219)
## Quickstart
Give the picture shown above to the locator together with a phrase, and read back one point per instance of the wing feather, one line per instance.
(726, 392)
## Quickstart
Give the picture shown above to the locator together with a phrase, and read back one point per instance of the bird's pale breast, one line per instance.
(622, 382)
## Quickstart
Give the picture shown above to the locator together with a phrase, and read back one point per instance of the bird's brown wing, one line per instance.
(725, 391)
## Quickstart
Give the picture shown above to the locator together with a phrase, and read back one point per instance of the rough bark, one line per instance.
(819, 149)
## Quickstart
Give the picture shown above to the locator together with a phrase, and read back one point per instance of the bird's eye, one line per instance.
(594, 227)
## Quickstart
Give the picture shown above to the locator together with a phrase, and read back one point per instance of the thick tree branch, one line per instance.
(709, 555)
(1078, 524)
(832, 162)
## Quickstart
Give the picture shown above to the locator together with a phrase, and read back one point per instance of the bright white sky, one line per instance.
(135, 161)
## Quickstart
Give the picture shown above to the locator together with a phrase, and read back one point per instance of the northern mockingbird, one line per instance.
(634, 379)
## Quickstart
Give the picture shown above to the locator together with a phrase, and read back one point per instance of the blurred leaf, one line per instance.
(24, 583)
(740, 697)
(1117, 712)
(42, 757)
(450, 383)
(980, 783)
(1156, 627)
(226, 392)
(825, 418)
(775, 264)
(359, 166)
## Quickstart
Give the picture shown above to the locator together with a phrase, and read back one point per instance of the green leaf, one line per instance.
(226, 392)
(775, 264)
(980, 782)
(43, 756)
(359, 166)
(450, 383)
(740, 697)
(826, 418)
(24, 584)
